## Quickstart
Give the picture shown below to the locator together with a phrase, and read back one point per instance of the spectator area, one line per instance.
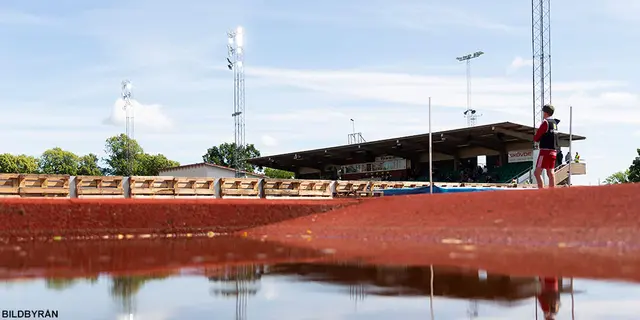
(455, 155)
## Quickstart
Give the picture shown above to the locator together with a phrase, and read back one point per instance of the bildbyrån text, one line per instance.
(29, 314)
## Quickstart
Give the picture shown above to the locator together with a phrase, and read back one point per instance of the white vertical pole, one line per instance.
(431, 293)
(570, 142)
(430, 152)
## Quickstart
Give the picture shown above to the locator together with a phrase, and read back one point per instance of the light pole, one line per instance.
(128, 109)
(235, 63)
(470, 114)
(353, 126)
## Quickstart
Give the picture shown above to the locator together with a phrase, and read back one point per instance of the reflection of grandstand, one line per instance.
(457, 283)
(507, 147)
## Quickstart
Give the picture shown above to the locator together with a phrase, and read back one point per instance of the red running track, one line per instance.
(55, 217)
(584, 231)
(578, 231)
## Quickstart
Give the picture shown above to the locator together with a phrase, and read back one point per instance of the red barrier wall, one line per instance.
(29, 217)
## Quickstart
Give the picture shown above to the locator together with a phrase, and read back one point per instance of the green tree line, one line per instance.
(60, 161)
(630, 175)
(115, 162)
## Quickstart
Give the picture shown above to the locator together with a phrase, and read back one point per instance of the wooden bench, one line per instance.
(44, 185)
(194, 187)
(9, 185)
(99, 187)
(151, 187)
(240, 188)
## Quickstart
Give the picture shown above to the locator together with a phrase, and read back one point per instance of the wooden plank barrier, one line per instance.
(239, 187)
(279, 188)
(194, 187)
(381, 185)
(44, 185)
(9, 185)
(316, 188)
(99, 187)
(151, 187)
(353, 188)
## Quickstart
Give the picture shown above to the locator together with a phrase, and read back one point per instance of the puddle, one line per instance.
(230, 279)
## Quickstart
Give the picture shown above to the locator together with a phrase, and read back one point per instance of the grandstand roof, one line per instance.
(490, 136)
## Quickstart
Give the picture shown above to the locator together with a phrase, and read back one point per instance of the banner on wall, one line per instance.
(520, 156)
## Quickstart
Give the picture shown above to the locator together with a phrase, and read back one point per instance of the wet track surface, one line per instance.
(239, 278)
(412, 257)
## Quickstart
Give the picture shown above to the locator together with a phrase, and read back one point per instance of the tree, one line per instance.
(116, 149)
(618, 177)
(223, 155)
(18, 164)
(27, 164)
(278, 174)
(634, 169)
(88, 166)
(150, 165)
(8, 163)
(143, 164)
(58, 161)
(60, 284)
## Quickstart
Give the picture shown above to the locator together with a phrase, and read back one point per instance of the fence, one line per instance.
(65, 187)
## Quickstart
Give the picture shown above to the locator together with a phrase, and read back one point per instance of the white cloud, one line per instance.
(519, 63)
(402, 90)
(149, 116)
(269, 141)
(11, 17)
(401, 14)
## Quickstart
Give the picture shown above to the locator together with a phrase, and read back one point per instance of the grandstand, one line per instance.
(506, 148)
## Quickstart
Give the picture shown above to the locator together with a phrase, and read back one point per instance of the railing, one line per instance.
(65, 187)
(562, 171)
(526, 176)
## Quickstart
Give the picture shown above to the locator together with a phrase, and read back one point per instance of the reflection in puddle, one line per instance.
(230, 280)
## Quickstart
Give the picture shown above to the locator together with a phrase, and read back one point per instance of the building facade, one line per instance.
(204, 170)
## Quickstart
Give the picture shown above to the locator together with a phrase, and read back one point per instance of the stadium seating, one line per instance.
(503, 174)
(509, 171)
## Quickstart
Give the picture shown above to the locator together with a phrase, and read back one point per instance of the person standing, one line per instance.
(549, 296)
(547, 138)
(559, 158)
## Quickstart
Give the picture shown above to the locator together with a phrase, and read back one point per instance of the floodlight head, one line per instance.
(126, 85)
(477, 54)
(239, 37)
(126, 89)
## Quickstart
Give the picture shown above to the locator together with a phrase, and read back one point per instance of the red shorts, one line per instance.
(546, 159)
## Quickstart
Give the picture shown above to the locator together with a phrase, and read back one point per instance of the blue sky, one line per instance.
(311, 66)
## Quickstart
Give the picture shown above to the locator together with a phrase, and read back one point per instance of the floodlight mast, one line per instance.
(470, 114)
(129, 121)
(541, 54)
(235, 62)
